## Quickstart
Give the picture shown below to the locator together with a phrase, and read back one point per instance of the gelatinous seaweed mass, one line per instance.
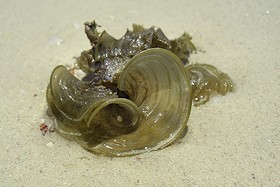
(137, 93)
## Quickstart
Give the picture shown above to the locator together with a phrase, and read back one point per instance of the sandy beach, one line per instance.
(233, 140)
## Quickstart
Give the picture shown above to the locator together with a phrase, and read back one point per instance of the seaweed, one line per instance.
(137, 93)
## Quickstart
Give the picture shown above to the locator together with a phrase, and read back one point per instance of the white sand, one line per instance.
(232, 140)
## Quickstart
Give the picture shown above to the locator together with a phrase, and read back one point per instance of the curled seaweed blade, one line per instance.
(72, 96)
(137, 93)
(157, 82)
(207, 79)
(81, 110)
